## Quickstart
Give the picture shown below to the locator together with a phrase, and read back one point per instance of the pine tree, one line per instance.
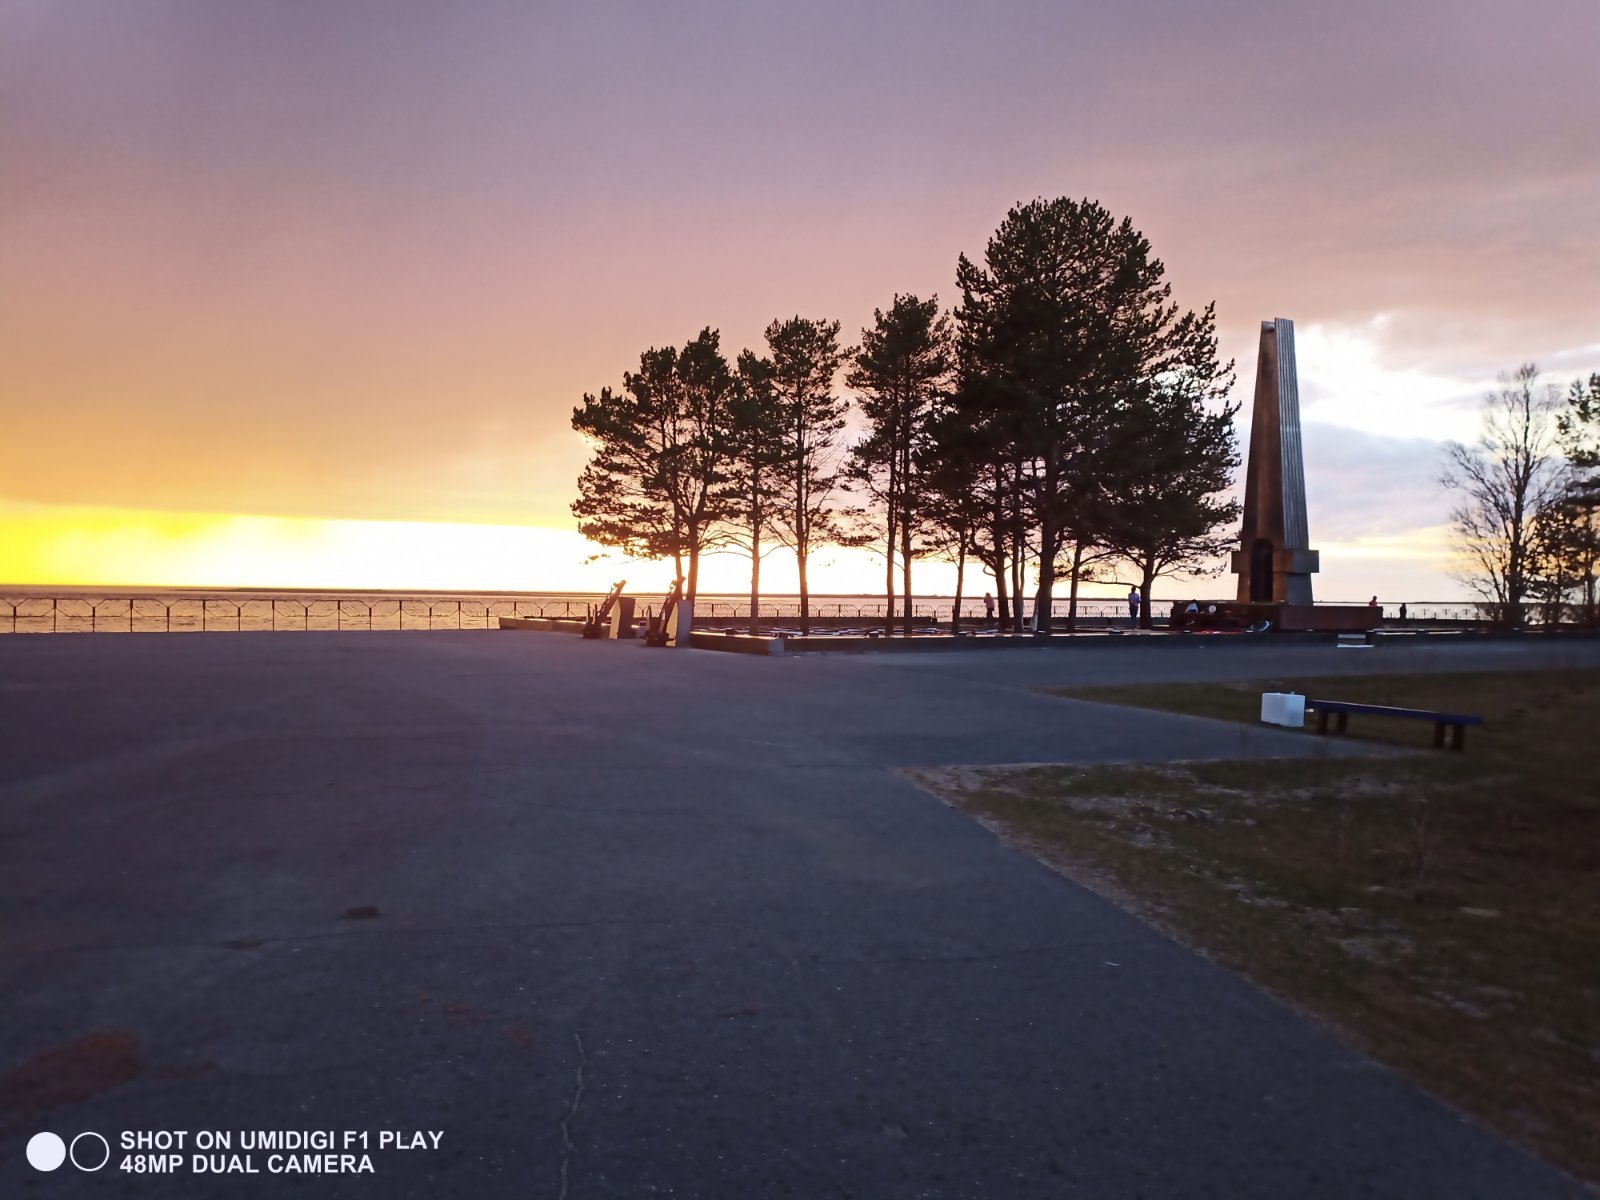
(758, 464)
(1567, 532)
(806, 358)
(900, 371)
(977, 442)
(1168, 510)
(1067, 321)
(657, 484)
(958, 507)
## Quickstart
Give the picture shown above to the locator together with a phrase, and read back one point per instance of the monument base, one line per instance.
(1327, 618)
(1287, 618)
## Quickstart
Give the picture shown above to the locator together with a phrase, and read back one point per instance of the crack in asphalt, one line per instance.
(567, 1148)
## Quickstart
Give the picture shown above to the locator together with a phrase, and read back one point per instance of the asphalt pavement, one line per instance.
(618, 922)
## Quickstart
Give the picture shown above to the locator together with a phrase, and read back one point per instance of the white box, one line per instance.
(1294, 710)
(1283, 708)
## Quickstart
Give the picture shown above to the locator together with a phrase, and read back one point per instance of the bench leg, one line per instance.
(1458, 735)
(1344, 722)
(1438, 735)
(1322, 721)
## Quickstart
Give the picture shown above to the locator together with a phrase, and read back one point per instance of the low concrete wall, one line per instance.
(736, 643)
(767, 624)
(544, 624)
(743, 643)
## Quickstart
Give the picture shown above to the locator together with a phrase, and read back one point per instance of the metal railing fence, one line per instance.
(182, 614)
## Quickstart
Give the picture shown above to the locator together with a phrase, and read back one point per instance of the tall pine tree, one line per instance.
(1169, 511)
(806, 357)
(657, 483)
(1068, 322)
(900, 371)
(757, 468)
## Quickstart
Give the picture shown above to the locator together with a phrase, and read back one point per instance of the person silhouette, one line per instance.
(988, 607)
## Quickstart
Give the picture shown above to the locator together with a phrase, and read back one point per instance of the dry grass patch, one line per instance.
(1442, 908)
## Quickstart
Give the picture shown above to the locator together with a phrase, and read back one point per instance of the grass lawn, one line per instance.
(1442, 908)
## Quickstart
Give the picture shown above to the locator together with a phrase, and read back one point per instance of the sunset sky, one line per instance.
(304, 294)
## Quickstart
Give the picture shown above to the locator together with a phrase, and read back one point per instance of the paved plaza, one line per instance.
(622, 922)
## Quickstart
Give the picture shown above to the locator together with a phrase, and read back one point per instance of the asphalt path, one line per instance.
(622, 922)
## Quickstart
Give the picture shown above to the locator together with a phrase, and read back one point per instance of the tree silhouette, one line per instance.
(757, 467)
(1169, 510)
(900, 371)
(657, 483)
(1566, 539)
(1066, 329)
(806, 358)
(1505, 479)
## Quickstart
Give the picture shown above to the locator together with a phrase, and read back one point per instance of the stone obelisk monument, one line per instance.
(1274, 561)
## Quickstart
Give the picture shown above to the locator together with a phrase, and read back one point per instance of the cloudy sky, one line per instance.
(305, 293)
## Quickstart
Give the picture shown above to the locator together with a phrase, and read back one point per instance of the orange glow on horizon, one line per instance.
(80, 546)
(83, 546)
(43, 545)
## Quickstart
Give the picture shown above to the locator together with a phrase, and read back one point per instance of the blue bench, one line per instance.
(1456, 723)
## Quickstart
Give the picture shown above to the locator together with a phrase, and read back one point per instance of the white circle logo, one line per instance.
(105, 1155)
(46, 1151)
